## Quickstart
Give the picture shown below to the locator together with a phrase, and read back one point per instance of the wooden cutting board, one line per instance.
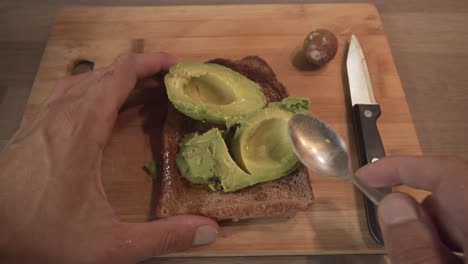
(336, 223)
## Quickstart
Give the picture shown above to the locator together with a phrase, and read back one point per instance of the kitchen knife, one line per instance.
(365, 111)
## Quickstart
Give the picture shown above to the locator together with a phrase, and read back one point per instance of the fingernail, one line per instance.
(397, 208)
(204, 235)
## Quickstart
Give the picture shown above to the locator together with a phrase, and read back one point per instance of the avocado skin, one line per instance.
(212, 92)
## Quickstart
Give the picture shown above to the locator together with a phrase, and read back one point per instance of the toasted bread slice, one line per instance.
(176, 195)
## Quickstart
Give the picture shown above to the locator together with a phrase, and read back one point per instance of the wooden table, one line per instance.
(430, 66)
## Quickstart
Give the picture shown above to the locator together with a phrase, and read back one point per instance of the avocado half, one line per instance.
(212, 92)
(261, 149)
(261, 145)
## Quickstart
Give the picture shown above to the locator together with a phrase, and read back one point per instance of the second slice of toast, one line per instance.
(176, 195)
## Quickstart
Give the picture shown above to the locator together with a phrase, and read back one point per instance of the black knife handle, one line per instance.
(369, 148)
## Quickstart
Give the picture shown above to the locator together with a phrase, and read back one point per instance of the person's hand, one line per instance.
(53, 208)
(427, 232)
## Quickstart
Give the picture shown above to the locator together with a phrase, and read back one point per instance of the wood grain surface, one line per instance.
(336, 222)
(430, 66)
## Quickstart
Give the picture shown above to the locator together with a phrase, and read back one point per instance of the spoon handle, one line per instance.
(373, 194)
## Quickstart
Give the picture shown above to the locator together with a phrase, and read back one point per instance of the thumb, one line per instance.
(409, 234)
(145, 240)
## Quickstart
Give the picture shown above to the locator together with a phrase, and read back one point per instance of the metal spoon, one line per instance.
(323, 151)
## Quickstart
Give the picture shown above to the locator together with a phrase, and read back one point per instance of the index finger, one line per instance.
(446, 177)
(433, 174)
(121, 77)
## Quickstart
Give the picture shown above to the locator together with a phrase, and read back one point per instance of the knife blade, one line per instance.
(365, 111)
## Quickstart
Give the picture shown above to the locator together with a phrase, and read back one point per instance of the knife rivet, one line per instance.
(367, 113)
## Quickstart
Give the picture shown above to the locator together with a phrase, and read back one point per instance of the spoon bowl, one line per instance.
(324, 152)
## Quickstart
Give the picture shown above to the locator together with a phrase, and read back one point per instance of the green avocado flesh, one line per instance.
(261, 149)
(212, 92)
(261, 144)
(205, 159)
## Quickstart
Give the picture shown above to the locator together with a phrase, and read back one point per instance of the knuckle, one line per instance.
(166, 58)
(125, 58)
(169, 242)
